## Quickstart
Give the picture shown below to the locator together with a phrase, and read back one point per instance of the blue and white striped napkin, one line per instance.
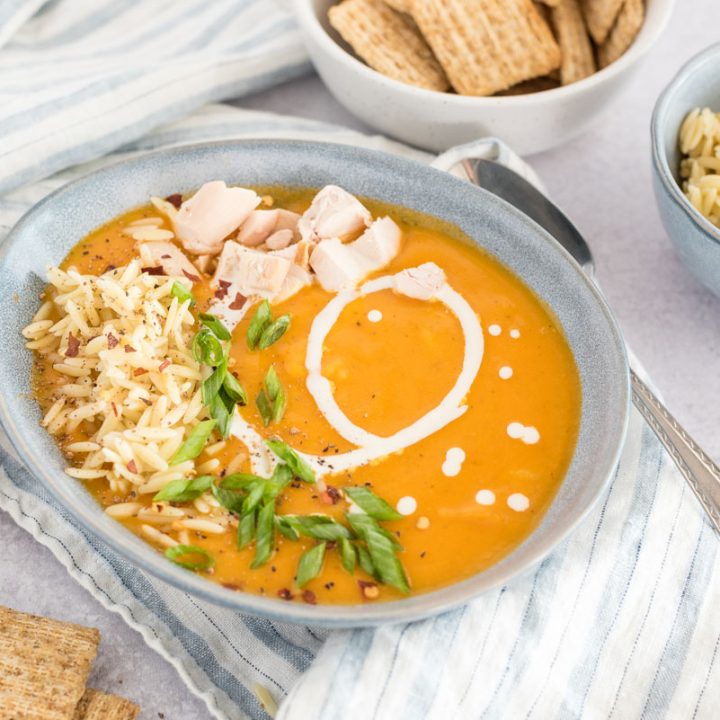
(621, 621)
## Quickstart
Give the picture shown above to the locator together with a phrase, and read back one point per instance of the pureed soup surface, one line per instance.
(470, 492)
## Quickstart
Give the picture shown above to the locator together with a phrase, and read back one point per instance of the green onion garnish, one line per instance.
(185, 490)
(348, 554)
(246, 530)
(310, 565)
(195, 442)
(264, 535)
(273, 332)
(179, 291)
(271, 401)
(213, 323)
(234, 390)
(260, 320)
(299, 467)
(373, 505)
(320, 527)
(206, 348)
(177, 552)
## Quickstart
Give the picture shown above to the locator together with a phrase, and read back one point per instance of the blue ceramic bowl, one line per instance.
(695, 238)
(48, 232)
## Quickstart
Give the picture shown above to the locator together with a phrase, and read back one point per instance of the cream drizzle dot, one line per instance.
(406, 505)
(506, 372)
(528, 434)
(485, 497)
(375, 316)
(514, 334)
(454, 458)
(495, 330)
(518, 502)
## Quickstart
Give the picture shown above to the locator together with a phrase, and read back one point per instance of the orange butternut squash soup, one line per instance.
(298, 394)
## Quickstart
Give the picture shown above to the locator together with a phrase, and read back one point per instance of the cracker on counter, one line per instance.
(96, 705)
(578, 58)
(550, 3)
(487, 45)
(400, 5)
(44, 665)
(600, 16)
(389, 42)
(624, 32)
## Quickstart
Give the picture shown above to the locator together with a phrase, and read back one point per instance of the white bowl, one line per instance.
(437, 121)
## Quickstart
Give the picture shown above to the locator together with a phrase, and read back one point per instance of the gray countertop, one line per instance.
(602, 180)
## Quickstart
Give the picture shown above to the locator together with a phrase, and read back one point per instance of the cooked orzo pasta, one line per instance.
(700, 165)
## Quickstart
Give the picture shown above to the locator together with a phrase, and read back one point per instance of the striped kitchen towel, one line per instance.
(621, 621)
(80, 78)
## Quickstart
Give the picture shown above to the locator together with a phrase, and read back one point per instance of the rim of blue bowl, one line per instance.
(417, 607)
(659, 157)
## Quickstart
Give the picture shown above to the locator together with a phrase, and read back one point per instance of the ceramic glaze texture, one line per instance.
(56, 224)
(695, 238)
(437, 121)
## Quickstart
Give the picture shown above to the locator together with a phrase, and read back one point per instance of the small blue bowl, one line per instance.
(695, 238)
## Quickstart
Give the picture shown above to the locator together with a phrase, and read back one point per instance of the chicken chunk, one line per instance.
(422, 282)
(210, 215)
(296, 279)
(169, 257)
(260, 225)
(334, 213)
(341, 266)
(250, 272)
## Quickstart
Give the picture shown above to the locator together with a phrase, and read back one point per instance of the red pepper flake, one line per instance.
(132, 467)
(309, 597)
(238, 302)
(222, 291)
(163, 365)
(110, 267)
(232, 586)
(285, 594)
(129, 349)
(112, 340)
(165, 257)
(369, 590)
(114, 408)
(153, 270)
(73, 346)
(139, 371)
(175, 200)
(331, 496)
(190, 276)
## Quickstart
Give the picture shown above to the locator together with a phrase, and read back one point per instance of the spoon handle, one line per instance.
(701, 473)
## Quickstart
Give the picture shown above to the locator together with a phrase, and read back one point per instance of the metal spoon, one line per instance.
(702, 474)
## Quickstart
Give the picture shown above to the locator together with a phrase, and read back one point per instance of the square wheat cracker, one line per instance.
(400, 5)
(600, 17)
(487, 45)
(96, 705)
(578, 58)
(624, 32)
(389, 42)
(44, 665)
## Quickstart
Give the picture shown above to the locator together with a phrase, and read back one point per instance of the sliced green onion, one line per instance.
(262, 403)
(299, 467)
(282, 476)
(286, 528)
(238, 481)
(276, 393)
(310, 565)
(260, 320)
(320, 527)
(348, 554)
(184, 490)
(222, 409)
(254, 497)
(365, 561)
(213, 323)
(206, 348)
(195, 442)
(177, 552)
(234, 390)
(212, 384)
(179, 291)
(231, 500)
(246, 530)
(388, 567)
(273, 332)
(373, 505)
(264, 535)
